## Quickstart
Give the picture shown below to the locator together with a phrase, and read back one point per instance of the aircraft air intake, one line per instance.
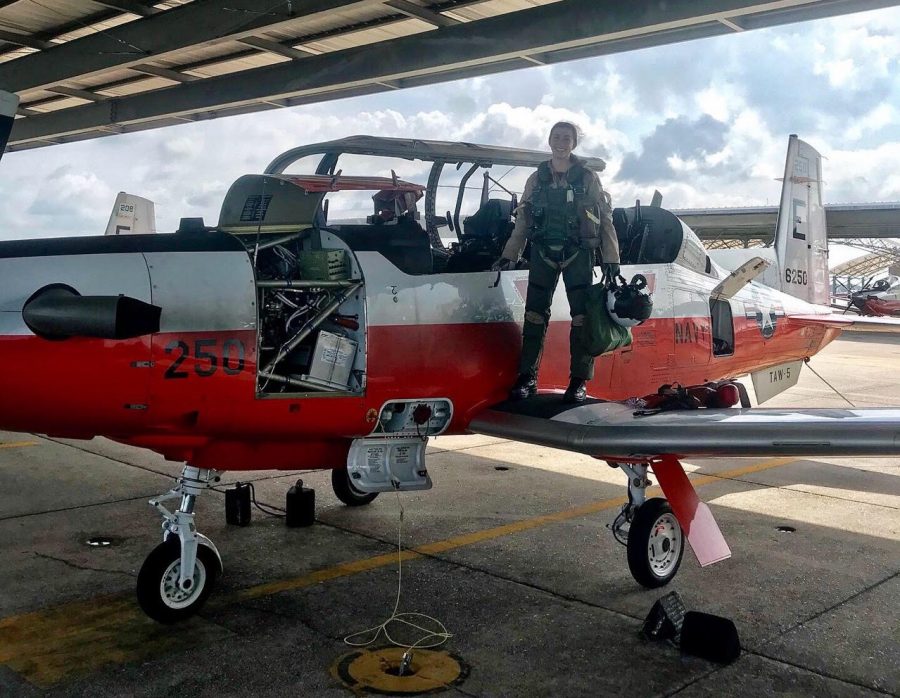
(59, 312)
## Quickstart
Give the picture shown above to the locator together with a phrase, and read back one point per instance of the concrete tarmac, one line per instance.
(510, 551)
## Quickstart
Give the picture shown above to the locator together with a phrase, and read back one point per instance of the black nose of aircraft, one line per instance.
(858, 300)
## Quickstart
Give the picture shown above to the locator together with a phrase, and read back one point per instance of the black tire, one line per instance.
(346, 492)
(157, 573)
(654, 523)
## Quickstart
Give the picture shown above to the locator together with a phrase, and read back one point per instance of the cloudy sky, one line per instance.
(706, 122)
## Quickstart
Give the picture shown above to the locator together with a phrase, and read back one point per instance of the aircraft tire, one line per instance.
(157, 591)
(655, 544)
(346, 492)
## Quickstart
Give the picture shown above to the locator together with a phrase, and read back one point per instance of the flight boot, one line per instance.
(576, 392)
(524, 387)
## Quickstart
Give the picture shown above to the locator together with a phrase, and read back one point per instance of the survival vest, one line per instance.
(565, 213)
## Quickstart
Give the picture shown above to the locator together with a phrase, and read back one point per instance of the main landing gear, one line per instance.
(650, 531)
(342, 484)
(181, 572)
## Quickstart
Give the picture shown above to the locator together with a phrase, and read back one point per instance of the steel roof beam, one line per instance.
(276, 47)
(195, 24)
(132, 6)
(24, 40)
(172, 75)
(483, 46)
(80, 94)
(425, 14)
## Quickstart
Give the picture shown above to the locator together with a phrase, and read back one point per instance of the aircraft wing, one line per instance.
(857, 323)
(612, 430)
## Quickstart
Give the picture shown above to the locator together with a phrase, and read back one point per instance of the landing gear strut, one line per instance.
(181, 572)
(655, 540)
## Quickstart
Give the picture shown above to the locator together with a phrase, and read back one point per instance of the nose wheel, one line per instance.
(179, 573)
(655, 544)
(160, 592)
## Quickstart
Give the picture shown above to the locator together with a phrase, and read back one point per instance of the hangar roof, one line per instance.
(98, 67)
(883, 255)
(843, 221)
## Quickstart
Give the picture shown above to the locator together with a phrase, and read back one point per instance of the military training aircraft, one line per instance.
(882, 298)
(131, 215)
(280, 339)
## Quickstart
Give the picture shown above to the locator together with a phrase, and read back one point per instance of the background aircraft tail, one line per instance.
(9, 102)
(131, 215)
(801, 243)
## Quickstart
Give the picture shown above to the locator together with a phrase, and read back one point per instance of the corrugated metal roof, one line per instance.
(364, 37)
(493, 9)
(882, 254)
(173, 46)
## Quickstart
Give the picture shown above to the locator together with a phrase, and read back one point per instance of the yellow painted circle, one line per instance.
(374, 671)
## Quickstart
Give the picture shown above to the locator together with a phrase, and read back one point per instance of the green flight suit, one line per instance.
(566, 217)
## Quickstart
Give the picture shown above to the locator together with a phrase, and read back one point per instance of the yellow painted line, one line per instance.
(55, 644)
(371, 563)
(62, 643)
(700, 480)
(19, 444)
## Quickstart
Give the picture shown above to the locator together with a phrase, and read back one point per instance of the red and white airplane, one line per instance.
(880, 299)
(279, 340)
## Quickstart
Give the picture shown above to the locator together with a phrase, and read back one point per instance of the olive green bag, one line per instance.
(602, 334)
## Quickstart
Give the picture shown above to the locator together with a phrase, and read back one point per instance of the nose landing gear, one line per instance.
(181, 572)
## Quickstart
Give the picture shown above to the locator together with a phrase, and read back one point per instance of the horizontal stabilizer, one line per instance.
(856, 323)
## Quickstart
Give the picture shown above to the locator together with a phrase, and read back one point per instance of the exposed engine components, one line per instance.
(310, 329)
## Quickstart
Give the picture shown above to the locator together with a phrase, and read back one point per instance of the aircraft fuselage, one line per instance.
(191, 391)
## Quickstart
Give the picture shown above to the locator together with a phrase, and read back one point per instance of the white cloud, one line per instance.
(834, 82)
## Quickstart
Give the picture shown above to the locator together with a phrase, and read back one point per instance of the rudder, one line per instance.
(801, 241)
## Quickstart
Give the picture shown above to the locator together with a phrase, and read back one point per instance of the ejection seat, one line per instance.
(483, 236)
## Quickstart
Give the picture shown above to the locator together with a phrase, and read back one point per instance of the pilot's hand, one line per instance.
(501, 264)
(610, 270)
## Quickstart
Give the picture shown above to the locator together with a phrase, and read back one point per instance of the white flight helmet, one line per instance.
(629, 304)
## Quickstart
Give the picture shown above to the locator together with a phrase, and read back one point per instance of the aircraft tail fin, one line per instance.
(9, 102)
(131, 215)
(801, 241)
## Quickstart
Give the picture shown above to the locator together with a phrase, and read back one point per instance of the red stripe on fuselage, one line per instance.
(84, 387)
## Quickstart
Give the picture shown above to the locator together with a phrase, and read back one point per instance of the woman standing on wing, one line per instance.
(567, 216)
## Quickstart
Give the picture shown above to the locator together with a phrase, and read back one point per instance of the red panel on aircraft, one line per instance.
(695, 517)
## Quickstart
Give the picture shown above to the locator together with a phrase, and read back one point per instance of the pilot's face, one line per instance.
(562, 142)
